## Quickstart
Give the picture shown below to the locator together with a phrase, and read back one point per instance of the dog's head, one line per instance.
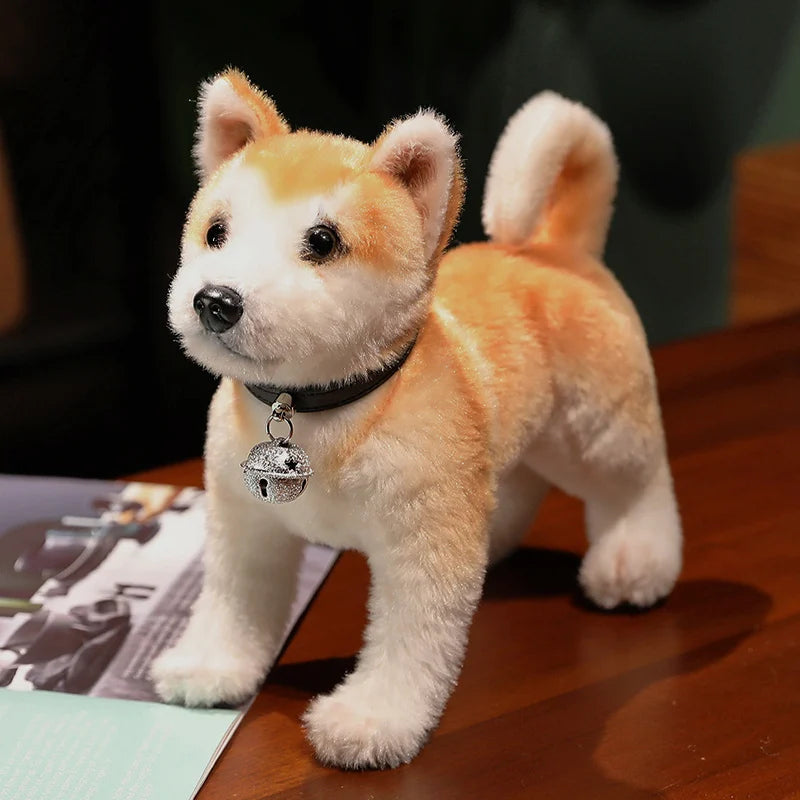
(305, 256)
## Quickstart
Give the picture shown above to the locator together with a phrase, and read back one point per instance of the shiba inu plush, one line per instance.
(311, 262)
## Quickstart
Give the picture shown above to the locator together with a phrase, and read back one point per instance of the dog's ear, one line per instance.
(231, 113)
(422, 153)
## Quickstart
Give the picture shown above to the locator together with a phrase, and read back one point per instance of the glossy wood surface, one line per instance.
(697, 698)
(766, 235)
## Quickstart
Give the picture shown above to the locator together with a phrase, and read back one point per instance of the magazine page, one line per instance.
(96, 579)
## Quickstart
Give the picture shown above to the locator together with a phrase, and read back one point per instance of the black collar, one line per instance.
(321, 398)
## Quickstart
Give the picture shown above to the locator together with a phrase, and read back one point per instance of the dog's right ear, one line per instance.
(421, 152)
(231, 113)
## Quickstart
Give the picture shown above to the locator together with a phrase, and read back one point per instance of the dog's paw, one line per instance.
(640, 571)
(202, 678)
(348, 731)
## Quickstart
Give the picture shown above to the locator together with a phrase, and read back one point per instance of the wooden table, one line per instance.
(698, 698)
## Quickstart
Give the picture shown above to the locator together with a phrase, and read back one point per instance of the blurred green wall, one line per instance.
(779, 117)
(684, 85)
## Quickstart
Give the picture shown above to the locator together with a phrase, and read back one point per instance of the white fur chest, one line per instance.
(323, 515)
(327, 512)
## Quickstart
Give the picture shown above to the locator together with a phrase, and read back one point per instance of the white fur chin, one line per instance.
(214, 357)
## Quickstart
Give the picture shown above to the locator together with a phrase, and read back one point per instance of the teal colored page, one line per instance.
(68, 747)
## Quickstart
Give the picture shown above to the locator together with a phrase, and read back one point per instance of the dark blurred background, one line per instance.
(96, 121)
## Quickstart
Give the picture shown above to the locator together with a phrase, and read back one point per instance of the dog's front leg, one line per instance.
(425, 587)
(237, 622)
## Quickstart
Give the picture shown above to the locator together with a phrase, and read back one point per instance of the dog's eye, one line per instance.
(216, 234)
(320, 243)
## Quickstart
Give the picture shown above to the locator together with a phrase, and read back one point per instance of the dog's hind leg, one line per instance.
(635, 543)
(520, 492)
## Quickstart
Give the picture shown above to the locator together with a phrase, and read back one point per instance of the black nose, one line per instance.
(218, 307)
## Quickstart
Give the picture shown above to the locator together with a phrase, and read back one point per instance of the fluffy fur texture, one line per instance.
(563, 187)
(531, 369)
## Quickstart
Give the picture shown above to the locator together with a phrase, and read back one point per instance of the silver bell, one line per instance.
(276, 471)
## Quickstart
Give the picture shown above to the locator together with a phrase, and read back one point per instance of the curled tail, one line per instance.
(553, 177)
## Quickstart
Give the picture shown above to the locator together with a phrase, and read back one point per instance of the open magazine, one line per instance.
(96, 579)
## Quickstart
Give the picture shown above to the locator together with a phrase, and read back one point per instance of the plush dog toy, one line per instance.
(438, 394)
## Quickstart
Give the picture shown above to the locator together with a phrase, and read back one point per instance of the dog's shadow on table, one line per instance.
(533, 572)
(315, 677)
(701, 623)
(543, 572)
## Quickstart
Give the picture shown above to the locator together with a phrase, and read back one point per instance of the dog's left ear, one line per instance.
(231, 113)
(422, 153)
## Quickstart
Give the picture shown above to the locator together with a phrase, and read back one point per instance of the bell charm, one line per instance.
(277, 471)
